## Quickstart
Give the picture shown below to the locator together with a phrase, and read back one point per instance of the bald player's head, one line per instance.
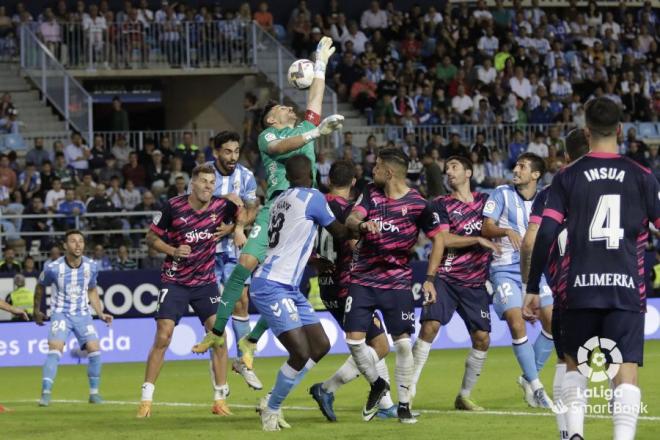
(299, 171)
(577, 144)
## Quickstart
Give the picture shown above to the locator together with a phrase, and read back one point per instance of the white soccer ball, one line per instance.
(301, 74)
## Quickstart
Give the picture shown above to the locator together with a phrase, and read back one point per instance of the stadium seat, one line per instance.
(647, 130)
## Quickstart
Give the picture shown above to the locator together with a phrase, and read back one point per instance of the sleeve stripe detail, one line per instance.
(555, 215)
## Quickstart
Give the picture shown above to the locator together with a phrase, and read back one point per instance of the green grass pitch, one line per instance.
(183, 402)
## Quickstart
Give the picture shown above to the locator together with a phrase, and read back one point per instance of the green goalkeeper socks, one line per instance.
(231, 294)
(258, 330)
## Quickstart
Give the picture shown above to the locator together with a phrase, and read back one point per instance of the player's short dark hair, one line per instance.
(204, 168)
(537, 164)
(394, 156)
(71, 232)
(266, 110)
(467, 163)
(603, 116)
(342, 173)
(250, 97)
(225, 136)
(298, 167)
(577, 144)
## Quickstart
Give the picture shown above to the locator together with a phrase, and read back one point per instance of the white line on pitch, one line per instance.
(310, 408)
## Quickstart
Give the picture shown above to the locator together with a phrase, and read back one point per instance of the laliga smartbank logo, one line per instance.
(599, 360)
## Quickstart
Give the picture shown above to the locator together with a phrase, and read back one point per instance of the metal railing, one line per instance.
(137, 139)
(11, 225)
(56, 85)
(98, 44)
(497, 135)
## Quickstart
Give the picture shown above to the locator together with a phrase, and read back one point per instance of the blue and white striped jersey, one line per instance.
(242, 183)
(70, 285)
(294, 216)
(509, 211)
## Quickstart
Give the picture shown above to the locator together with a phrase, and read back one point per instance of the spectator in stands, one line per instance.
(110, 169)
(9, 264)
(153, 261)
(7, 175)
(187, 151)
(455, 148)
(134, 171)
(542, 114)
(176, 171)
(538, 146)
(54, 253)
(51, 32)
(157, 174)
(10, 123)
(479, 147)
(47, 176)
(95, 27)
(36, 207)
(121, 150)
(76, 153)
(5, 104)
(636, 153)
(323, 169)
(114, 193)
(86, 189)
(30, 269)
(120, 118)
(72, 208)
(55, 195)
(132, 33)
(97, 155)
(148, 203)
(123, 262)
(520, 85)
(363, 94)
(346, 74)
(354, 36)
(178, 189)
(37, 155)
(29, 181)
(374, 18)
(517, 147)
(415, 167)
(130, 196)
(100, 258)
(433, 176)
(264, 18)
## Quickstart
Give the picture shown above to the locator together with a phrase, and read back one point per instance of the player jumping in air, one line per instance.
(381, 276)
(334, 291)
(275, 289)
(461, 279)
(186, 231)
(281, 139)
(605, 201)
(233, 181)
(74, 280)
(577, 146)
(506, 215)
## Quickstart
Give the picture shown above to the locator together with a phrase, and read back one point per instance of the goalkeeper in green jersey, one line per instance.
(281, 139)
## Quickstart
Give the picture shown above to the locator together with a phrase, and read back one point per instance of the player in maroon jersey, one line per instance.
(461, 279)
(381, 277)
(186, 230)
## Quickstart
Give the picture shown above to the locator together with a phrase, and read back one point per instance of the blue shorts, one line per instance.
(472, 304)
(397, 307)
(174, 299)
(82, 326)
(507, 290)
(336, 307)
(224, 266)
(624, 327)
(284, 307)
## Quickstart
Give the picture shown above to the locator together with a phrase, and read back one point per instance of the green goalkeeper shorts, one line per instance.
(257, 243)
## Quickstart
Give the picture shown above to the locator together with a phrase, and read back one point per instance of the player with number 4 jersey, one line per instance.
(606, 202)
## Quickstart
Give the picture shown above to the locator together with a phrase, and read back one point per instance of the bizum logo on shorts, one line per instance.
(599, 360)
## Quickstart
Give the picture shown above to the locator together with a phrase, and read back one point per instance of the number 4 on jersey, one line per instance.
(605, 225)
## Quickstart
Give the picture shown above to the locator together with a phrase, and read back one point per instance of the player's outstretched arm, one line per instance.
(324, 51)
(357, 224)
(14, 310)
(547, 234)
(327, 126)
(97, 305)
(154, 242)
(526, 251)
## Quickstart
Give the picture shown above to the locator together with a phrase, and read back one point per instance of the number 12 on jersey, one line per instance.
(606, 222)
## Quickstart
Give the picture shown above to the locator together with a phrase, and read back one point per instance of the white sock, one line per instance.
(473, 365)
(363, 360)
(383, 371)
(536, 384)
(575, 402)
(627, 402)
(221, 392)
(403, 369)
(346, 373)
(560, 371)
(421, 351)
(148, 391)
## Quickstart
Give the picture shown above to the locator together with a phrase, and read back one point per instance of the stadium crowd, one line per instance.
(459, 64)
